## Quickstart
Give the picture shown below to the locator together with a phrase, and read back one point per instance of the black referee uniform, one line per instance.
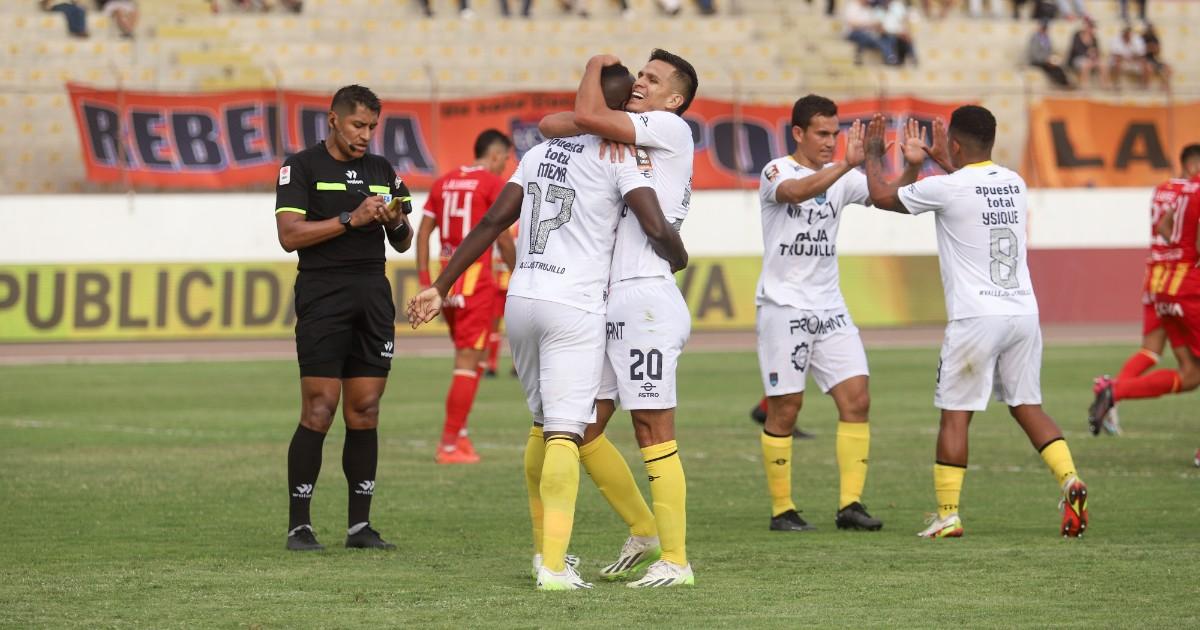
(345, 314)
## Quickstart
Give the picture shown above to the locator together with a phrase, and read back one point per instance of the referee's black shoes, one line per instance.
(367, 538)
(303, 539)
(854, 516)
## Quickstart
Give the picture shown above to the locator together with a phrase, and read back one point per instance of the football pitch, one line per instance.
(153, 495)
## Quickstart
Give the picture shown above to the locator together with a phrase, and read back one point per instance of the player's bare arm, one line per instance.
(295, 232)
(883, 194)
(423, 233)
(559, 125)
(424, 306)
(663, 238)
(804, 188)
(592, 113)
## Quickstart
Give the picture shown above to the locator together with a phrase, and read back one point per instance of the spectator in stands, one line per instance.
(864, 29)
(1127, 55)
(976, 7)
(1141, 10)
(1041, 55)
(705, 7)
(1154, 62)
(295, 6)
(1084, 56)
(1042, 9)
(897, 25)
(1072, 9)
(123, 13)
(830, 6)
(75, 15)
(943, 7)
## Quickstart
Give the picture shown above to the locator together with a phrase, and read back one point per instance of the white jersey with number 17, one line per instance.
(664, 145)
(573, 201)
(981, 218)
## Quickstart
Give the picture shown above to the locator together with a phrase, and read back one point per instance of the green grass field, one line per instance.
(153, 495)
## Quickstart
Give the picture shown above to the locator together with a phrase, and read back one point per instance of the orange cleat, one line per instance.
(455, 456)
(464, 445)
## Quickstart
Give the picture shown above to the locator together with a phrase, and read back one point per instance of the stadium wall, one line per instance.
(209, 266)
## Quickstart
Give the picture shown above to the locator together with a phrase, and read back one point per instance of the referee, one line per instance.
(332, 209)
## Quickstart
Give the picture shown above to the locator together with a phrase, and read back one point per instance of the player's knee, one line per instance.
(317, 412)
(857, 407)
(362, 413)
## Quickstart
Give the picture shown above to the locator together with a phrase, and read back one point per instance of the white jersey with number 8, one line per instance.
(981, 219)
(573, 201)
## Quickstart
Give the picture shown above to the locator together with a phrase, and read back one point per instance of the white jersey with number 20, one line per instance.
(981, 218)
(573, 201)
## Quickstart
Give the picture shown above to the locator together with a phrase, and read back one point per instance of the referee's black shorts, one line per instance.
(345, 325)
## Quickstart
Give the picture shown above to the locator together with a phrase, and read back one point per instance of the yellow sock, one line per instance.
(777, 461)
(853, 445)
(668, 490)
(560, 486)
(1058, 457)
(947, 485)
(604, 463)
(535, 453)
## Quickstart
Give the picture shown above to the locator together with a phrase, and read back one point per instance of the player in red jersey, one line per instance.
(495, 337)
(457, 202)
(1173, 283)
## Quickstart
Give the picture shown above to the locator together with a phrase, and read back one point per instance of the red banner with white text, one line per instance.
(230, 140)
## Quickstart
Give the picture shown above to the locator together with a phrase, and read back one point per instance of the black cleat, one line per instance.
(303, 539)
(790, 521)
(1101, 405)
(760, 416)
(367, 538)
(854, 516)
(490, 372)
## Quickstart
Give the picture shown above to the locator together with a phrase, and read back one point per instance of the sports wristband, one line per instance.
(423, 278)
(400, 233)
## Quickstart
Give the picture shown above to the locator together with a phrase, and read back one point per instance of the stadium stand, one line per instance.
(769, 52)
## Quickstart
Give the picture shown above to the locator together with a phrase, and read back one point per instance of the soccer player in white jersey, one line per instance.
(569, 202)
(993, 336)
(648, 321)
(802, 322)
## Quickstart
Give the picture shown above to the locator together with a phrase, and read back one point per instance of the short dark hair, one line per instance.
(487, 138)
(1190, 152)
(348, 98)
(976, 123)
(684, 74)
(812, 105)
(616, 82)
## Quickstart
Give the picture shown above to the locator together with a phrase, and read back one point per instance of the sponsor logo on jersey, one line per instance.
(352, 177)
(616, 330)
(643, 159)
(772, 172)
(800, 357)
(388, 348)
(647, 390)
(814, 325)
(285, 175)
(773, 377)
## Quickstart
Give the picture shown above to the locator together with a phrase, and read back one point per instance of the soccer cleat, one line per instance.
(303, 539)
(568, 580)
(790, 521)
(1112, 421)
(569, 560)
(490, 372)
(637, 553)
(855, 516)
(464, 445)
(1074, 508)
(455, 456)
(1103, 388)
(367, 538)
(758, 415)
(663, 573)
(949, 527)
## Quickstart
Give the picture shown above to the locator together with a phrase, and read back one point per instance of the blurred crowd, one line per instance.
(1131, 55)
(123, 13)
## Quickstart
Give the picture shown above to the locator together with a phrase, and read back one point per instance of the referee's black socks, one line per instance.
(304, 464)
(359, 457)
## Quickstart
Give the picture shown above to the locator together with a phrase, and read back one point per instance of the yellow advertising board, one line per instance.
(230, 300)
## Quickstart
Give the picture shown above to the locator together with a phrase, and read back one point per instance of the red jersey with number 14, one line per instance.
(457, 202)
(1173, 259)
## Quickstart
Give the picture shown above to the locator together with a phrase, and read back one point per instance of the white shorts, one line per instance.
(793, 342)
(558, 351)
(648, 324)
(1002, 349)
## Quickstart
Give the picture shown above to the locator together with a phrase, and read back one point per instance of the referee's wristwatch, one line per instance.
(344, 219)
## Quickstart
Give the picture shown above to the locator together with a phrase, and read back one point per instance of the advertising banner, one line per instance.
(1077, 143)
(223, 140)
(231, 300)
